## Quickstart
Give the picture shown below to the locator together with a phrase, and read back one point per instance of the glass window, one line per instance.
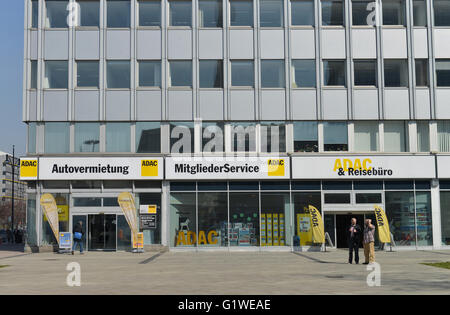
(441, 12)
(182, 186)
(332, 12)
(271, 13)
(334, 73)
(213, 137)
(336, 198)
(395, 136)
(87, 202)
(361, 12)
(309, 185)
(275, 216)
(400, 213)
(118, 184)
(119, 13)
(304, 73)
(150, 73)
(182, 137)
(242, 73)
(244, 185)
(443, 128)
(31, 220)
(211, 73)
(34, 14)
(148, 137)
(212, 219)
(278, 185)
(118, 137)
(399, 184)
(243, 137)
(244, 219)
(301, 202)
(305, 136)
(394, 12)
(89, 13)
(241, 13)
(56, 13)
(62, 203)
(368, 198)
(395, 73)
(57, 137)
(86, 184)
(87, 137)
(443, 72)
(272, 74)
(212, 186)
(149, 13)
(422, 72)
(180, 73)
(366, 136)
(445, 217)
(368, 185)
(124, 234)
(151, 236)
(87, 74)
(33, 74)
(118, 74)
(183, 220)
(180, 13)
(423, 136)
(210, 13)
(420, 12)
(365, 72)
(424, 219)
(335, 136)
(302, 12)
(273, 137)
(56, 75)
(337, 185)
(31, 148)
(55, 184)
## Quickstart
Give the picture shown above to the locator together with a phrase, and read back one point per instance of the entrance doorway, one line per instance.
(102, 232)
(342, 224)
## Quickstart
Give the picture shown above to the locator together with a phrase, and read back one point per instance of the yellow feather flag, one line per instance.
(50, 209)
(318, 231)
(126, 202)
(383, 225)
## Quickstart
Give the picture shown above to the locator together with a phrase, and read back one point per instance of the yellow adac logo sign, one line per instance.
(28, 168)
(357, 164)
(276, 167)
(149, 168)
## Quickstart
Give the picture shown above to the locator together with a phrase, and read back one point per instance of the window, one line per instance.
(118, 74)
(89, 13)
(372, 198)
(366, 136)
(420, 12)
(443, 72)
(87, 137)
(33, 74)
(119, 13)
(273, 137)
(88, 74)
(302, 12)
(422, 72)
(118, 137)
(56, 14)
(150, 73)
(31, 148)
(334, 73)
(242, 73)
(211, 73)
(182, 137)
(149, 13)
(243, 137)
(304, 73)
(445, 217)
(394, 12)
(34, 14)
(56, 75)
(361, 11)
(423, 136)
(395, 136)
(180, 73)
(241, 13)
(271, 13)
(336, 198)
(441, 12)
(335, 136)
(395, 73)
(443, 127)
(365, 72)
(56, 137)
(244, 217)
(272, 74)
(180, 13)
(213, 137)
(332, 12)
(305, 136)
(148, 137)
(210, 13)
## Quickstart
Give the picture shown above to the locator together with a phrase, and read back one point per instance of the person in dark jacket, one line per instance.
(78, 237)
(354, 238)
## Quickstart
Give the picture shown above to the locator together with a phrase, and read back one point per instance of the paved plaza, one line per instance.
(228, 273)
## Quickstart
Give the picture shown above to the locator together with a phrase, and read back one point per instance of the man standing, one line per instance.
(369, 241)
(78, 237)
(353, 236)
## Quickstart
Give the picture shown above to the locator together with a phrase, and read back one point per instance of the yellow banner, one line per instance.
(50, 210)
(126, 202)
(383, 225)
(318, 233)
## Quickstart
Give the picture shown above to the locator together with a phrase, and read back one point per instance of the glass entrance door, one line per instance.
(102, 231)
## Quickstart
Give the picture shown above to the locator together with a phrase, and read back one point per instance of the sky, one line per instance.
(12, 129)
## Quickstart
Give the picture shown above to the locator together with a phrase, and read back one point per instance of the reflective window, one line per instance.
(56, 14)
(33, 74)
(441, 12)
(212, 219)
(334, 72)
(443, 127)
(242, 73)
(275, 215)
(118, 137)
(423, 136)
(336, 198)
(213, 137)
(148, 137)
(150, 73)
(183, 219)
(87, 137)
(118, 74)
(57, 137)
(273, 137)
(304, 73)
(86, 184)
(424, 218)
(211, 73)
(400, 211)
(395, 73)
(149, 13)
(62, 203)
(443, 72)
(182, 137)
(34, 13)
(244, 219)
(241, 13)
(361, 11)
(180, 13)
(89, 13)
(180, 73)
(56, 75)
(305, 136)
(394, 12)
(395, 136)
(335, 136)
(87, 74)
(445, 217)
(332, 12)
(422, 72)
(271, 13)
(119, 13)
(302, 12)
(31, 148)
(87, 202)
(272, 74)
(366, 136)
(368, 198)
(420, 12)
(243, 137)
(365, 72)
(302, 218)
(210, 13)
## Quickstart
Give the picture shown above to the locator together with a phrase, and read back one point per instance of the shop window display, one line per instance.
(400, 213)
(275, 216)
(244, 219)
(183, 219)
(423, 219)
(212, 219)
